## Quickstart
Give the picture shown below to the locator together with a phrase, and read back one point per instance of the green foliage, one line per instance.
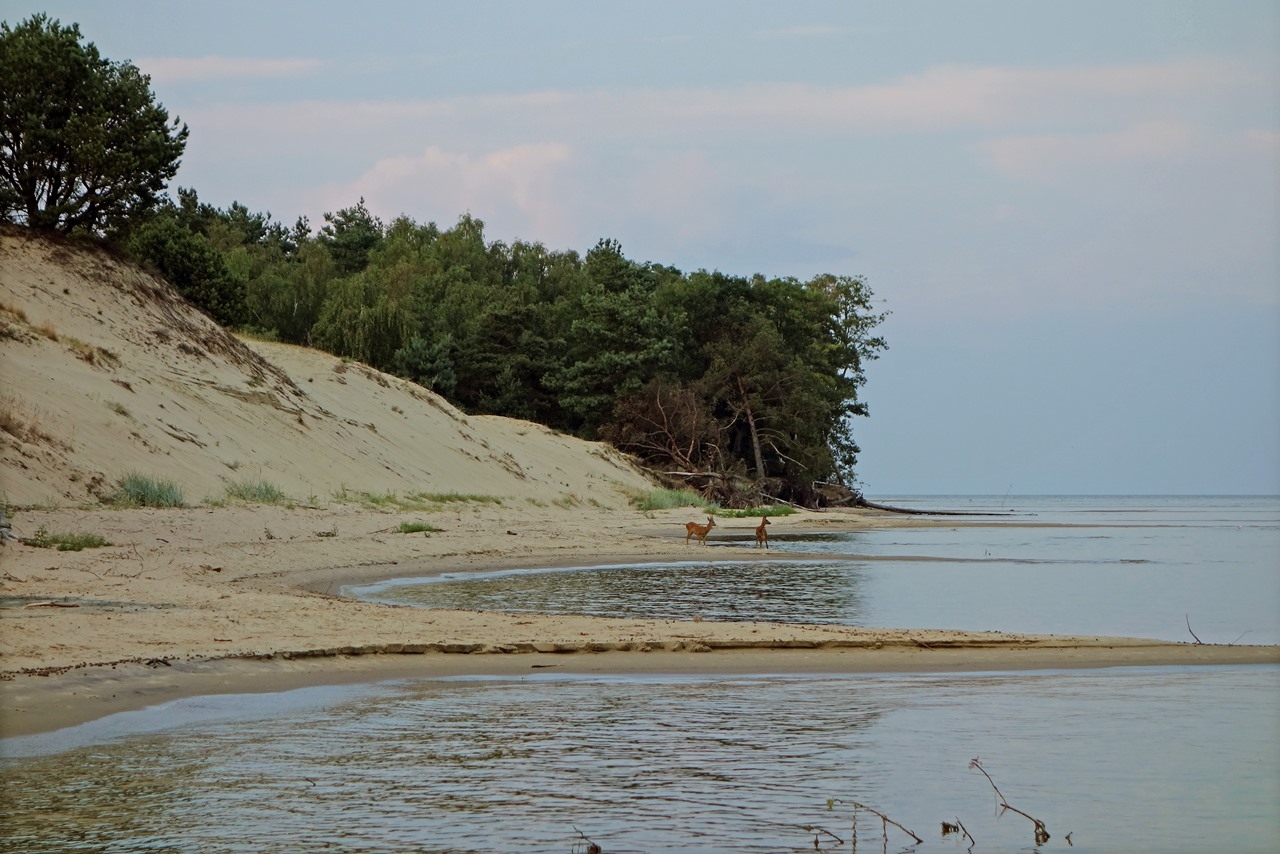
(68, 542)
(359, 321)
(256, 492)
(747, 385)
(350, 235)
(772, 510)
(83, 144)
(427, 363)
(191, 264)
(138, 490)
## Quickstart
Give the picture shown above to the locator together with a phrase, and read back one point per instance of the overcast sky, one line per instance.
(1071, 209)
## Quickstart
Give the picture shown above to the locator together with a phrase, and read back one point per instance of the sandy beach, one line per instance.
(108, 371)
(195, 601)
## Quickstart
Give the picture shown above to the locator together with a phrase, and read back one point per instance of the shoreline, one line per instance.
(40, 705)
(199, 601)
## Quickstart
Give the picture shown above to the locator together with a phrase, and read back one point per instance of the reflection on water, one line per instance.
(1125, 760)
(1115, 567)
(804, 591)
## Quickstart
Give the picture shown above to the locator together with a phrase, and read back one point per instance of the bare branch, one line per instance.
(1193, 634)
(1041, 832)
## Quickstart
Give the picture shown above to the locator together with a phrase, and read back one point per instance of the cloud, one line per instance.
(939, 99)
(517, 189)
(173, 69)
(1055, 158)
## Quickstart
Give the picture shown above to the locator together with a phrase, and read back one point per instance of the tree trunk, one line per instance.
(755, 434)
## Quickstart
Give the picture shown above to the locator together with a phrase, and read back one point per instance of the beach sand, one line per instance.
(195, 601)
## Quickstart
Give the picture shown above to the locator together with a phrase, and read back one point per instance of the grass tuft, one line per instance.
(414, 501)
(256, 492)
(417, 528)
(770, 510)
(668, 499)
(139, 490)
(71, 542)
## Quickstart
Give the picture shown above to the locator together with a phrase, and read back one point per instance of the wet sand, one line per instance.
(192, 607)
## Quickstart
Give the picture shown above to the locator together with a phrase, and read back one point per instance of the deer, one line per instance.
(693, 529)
(762, 536)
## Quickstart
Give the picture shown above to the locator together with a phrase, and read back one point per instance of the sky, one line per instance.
(1071, 210)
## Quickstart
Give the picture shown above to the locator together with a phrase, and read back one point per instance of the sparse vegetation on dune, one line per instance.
(256, 492)
(65, 542)
(417, 528)
(419, 501)
(139, 490)
(669, 499)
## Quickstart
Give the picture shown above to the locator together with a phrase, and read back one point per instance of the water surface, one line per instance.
(1137, 760)
(1122, 759)
(1161, 568)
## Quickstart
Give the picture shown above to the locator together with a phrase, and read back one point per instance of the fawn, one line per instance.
(762, 536)
(693, 529)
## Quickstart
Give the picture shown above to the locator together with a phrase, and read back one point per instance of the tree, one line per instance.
(350, 235)
(83, 144)
(191, 264)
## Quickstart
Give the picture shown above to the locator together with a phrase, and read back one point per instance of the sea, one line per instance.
(1134, 759)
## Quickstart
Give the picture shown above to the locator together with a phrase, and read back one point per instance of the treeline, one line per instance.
(741, 387)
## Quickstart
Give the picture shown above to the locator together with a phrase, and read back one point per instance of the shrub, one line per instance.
(138, 490)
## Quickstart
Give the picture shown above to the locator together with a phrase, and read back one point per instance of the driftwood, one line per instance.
(888, 508)
(1041, 832)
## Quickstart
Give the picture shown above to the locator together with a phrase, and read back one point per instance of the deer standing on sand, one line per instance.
(693, 529)
(762, 536)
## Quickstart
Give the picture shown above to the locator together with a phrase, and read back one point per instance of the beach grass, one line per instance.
(413, 501)
(139, 490)
(767, 510)
(65, 542)
(256, 492)
(670, 499)
(417, 528)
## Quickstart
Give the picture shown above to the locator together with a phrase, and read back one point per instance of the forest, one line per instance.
(742, 388)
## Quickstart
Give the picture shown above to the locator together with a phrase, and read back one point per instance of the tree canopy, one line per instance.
(743, 387)
(83, 144)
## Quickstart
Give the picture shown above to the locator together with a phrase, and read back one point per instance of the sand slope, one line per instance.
(107, 370)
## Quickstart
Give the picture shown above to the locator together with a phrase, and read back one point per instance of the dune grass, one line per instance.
(256, 492)
(417, 528)
(139, 490)
(65, 542)
(414, 501)
(768, 510)
(670, 499)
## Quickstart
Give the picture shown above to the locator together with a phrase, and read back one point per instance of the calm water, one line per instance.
(1137, 567)
(1159, 760)
(1123, 759)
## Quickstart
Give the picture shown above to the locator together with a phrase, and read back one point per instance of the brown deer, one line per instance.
(762, 536)
(693, 529)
